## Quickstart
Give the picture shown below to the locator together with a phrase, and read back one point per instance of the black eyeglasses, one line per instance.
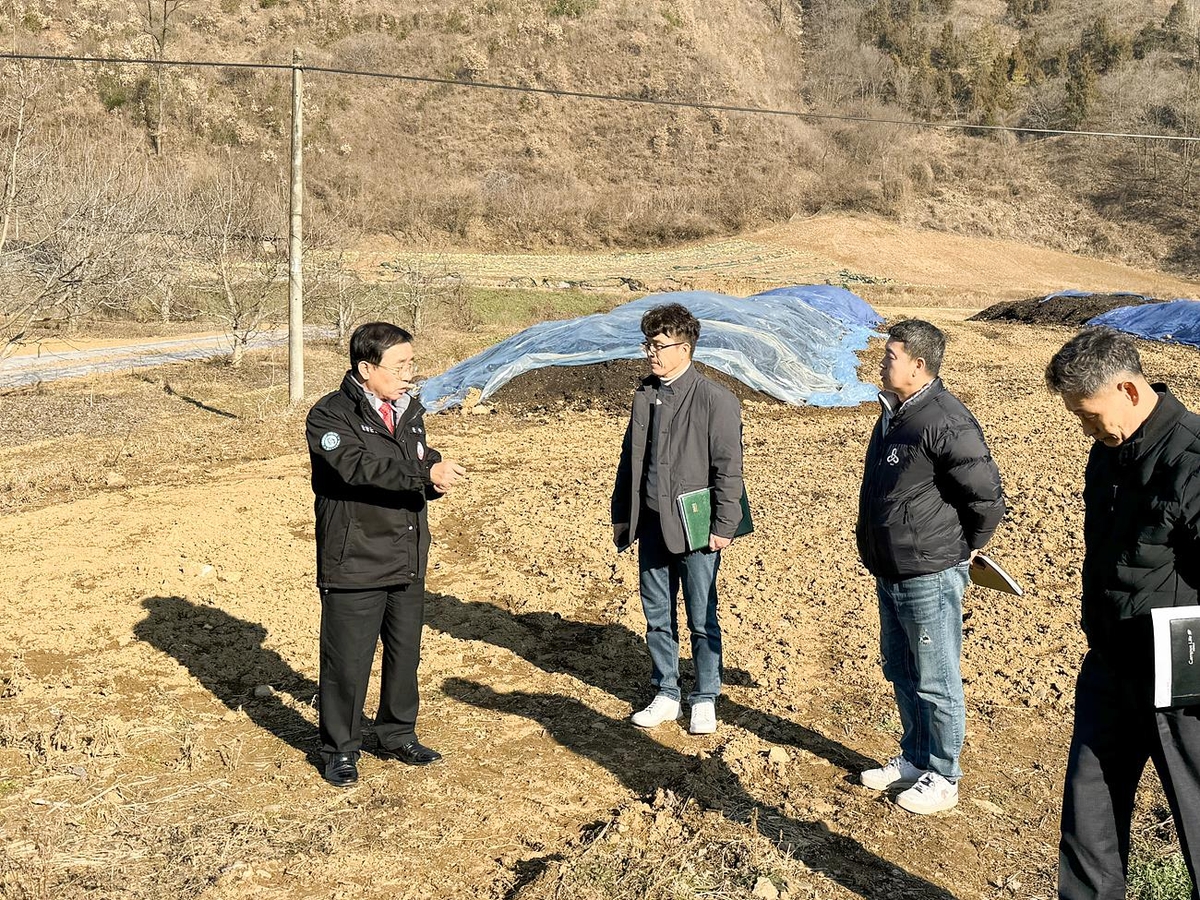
(651, 349)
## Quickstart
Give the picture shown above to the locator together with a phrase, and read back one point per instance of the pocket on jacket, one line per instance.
(345, 543)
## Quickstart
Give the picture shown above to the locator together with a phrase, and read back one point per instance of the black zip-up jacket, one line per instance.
(1141, 531)
(931, 492)
(371, 488)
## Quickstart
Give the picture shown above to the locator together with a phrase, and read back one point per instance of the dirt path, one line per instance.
(56, 360)
(138, 761)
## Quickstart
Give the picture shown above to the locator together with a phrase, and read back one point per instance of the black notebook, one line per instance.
(1176, 656)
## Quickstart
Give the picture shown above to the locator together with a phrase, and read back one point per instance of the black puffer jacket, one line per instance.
(1141, 529)
(371, 488)
(931, 491)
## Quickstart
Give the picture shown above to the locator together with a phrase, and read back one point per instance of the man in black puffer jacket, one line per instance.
(1141, 536)
(372, 473)
(931, 497)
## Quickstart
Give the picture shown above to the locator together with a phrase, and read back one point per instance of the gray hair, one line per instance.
(921, 340)
(1091, 360)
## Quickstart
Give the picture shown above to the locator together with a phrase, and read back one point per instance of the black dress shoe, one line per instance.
(414, 753)
(341, 769)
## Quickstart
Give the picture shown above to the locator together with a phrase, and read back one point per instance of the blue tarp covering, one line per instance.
(796, 344)
(1177, 321)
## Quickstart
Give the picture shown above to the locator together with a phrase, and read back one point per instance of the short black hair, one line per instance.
(370, 341)
(921, 340)
(1090, 360)
(674, 320)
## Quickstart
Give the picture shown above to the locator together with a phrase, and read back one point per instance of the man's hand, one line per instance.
(446, 474)
(971, 558)
(620, 534)
(716, 542)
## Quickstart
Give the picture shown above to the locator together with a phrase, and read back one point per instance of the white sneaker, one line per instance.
(661, 709)
(896, 772)
(704, 717)
(931, 794)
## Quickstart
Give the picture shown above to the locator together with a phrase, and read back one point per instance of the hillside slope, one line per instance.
(450, 164)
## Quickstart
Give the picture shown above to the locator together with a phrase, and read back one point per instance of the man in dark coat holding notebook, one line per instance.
(931, 498)
(1141, 532)
(684, 435)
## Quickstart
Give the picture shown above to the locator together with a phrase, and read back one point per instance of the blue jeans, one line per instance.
(660, 575)
(920, 637)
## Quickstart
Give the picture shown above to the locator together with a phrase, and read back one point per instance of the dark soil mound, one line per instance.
(608, 386)
(1059, 310)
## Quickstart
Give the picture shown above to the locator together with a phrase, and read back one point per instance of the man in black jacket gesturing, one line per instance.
(1141, 532)
(931, 497)
(372, 473)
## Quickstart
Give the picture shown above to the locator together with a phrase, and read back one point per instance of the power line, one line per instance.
(605, 98)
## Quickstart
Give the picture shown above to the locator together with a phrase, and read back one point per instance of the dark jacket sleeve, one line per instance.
(968, 478)
(432, 458)
(1188, 557)
(622, 489)
(353, 462)
(725, 456)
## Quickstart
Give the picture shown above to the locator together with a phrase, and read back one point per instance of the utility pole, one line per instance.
(295, 240)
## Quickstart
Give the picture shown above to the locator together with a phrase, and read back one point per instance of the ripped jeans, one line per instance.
(920, 637)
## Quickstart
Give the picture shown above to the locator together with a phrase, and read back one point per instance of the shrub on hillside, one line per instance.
(572, 9)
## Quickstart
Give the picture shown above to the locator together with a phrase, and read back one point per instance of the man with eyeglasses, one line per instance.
(684, 434)
(372, 473)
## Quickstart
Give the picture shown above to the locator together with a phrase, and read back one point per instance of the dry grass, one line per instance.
(665, 848)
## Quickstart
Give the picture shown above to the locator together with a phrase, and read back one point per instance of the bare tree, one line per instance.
(157, 18)
(337, 295)
(334, 293)
(26, 82)
(421, 283)
(84, 244)
(236, 251)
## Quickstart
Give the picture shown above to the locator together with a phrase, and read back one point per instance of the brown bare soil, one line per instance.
(159, 573)
(605, 386)
(1058, 310)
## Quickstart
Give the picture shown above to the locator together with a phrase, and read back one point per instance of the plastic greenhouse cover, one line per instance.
(1177, 321)
(796, 344)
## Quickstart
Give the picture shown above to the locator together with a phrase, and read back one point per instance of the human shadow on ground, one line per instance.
(643, 765)
(612, 658)
(227, 655)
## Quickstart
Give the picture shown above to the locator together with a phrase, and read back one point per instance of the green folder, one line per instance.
(695, 509)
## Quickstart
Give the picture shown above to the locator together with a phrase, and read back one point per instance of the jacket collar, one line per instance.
(358, 396)
(891, 408)
(685, 380)
(1158, 424)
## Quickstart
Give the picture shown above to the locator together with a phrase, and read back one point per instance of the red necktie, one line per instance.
(386, 412)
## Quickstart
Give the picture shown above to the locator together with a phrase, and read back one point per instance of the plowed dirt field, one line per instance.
(155, 590)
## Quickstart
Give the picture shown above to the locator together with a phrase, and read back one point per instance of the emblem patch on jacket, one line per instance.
(893, 457)
(420, 450)
(330, 440)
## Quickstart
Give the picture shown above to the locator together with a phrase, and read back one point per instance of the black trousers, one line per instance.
(352, 622)
(1117, 730)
